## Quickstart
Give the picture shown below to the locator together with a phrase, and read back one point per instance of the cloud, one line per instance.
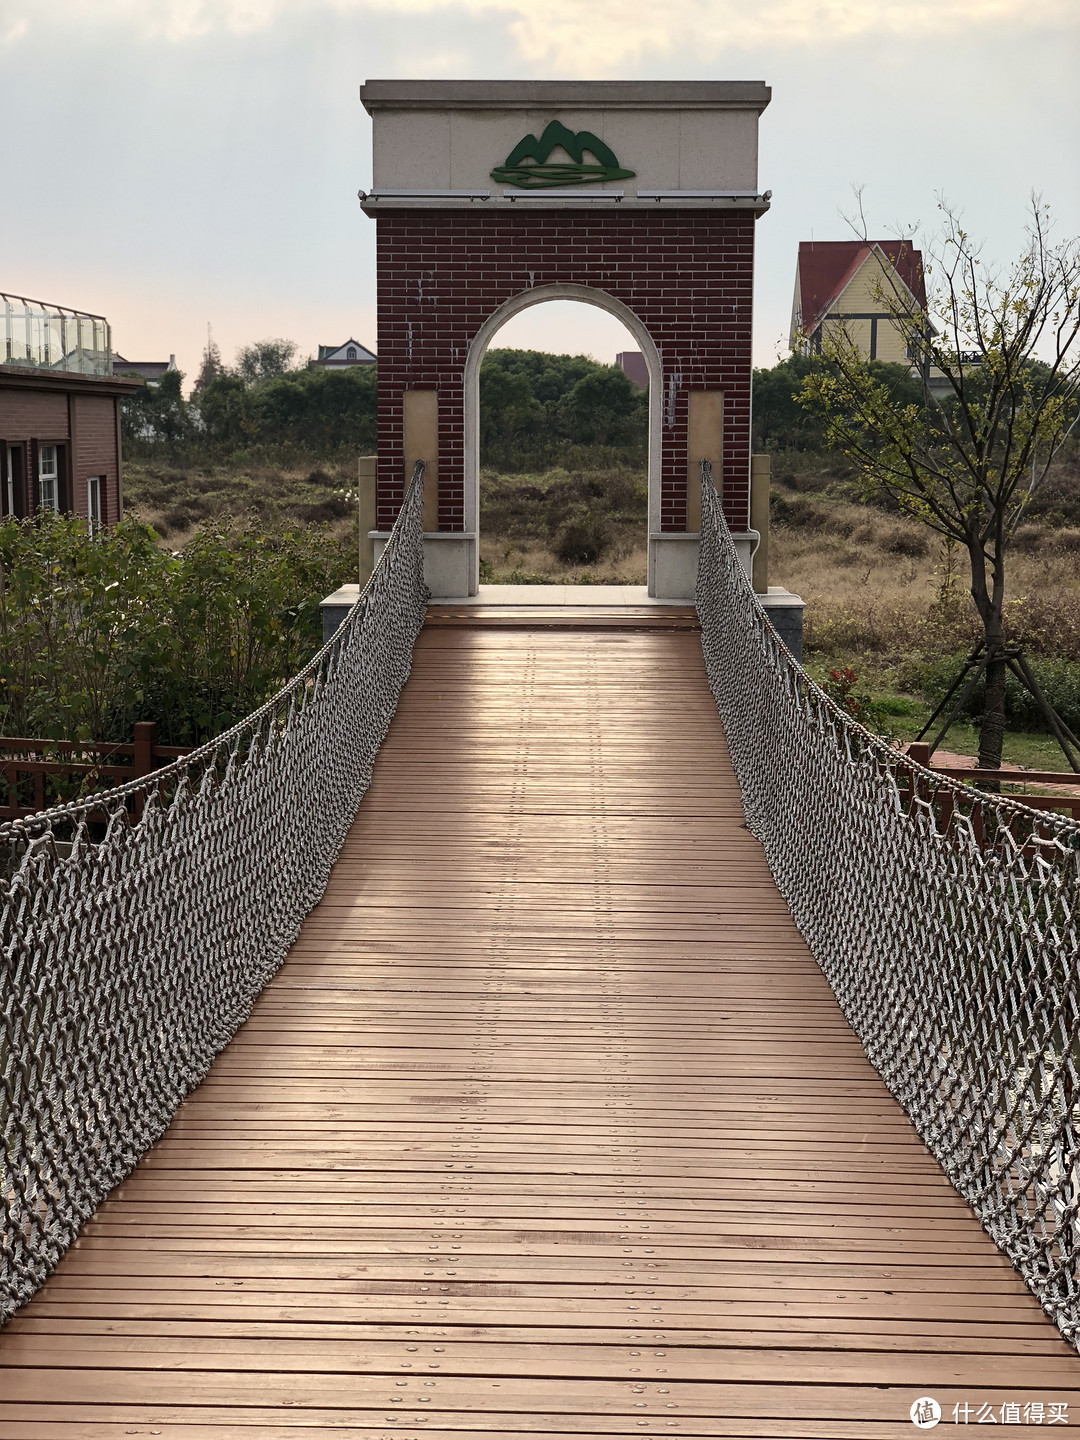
(601, 37)
(12, 28)
(607, 36)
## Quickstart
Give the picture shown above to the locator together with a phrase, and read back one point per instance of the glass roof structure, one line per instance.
(39, 336)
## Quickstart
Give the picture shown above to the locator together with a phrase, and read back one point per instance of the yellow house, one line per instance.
(842, 282)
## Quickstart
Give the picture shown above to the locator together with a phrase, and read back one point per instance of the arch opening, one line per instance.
(482, 342)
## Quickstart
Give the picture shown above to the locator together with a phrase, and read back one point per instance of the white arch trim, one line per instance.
(483, 338)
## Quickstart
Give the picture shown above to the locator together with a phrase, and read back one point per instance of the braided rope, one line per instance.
(139, 925)
(950, 943)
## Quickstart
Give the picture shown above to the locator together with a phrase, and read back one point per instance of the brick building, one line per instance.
(638, 197)
(632, 364)
(59, 413)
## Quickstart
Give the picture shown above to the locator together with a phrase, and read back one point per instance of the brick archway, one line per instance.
(675, 265)
(524, 300)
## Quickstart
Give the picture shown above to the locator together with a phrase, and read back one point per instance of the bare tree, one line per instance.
(999, 358)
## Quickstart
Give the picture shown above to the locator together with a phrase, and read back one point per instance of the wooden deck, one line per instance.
(549, 1126)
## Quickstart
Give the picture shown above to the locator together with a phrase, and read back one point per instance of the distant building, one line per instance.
(59, 412)
(339, 356)
(632, 364)
(840, 282)
(150, 370)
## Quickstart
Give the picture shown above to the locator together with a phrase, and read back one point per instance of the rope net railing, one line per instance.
(950, 934)
(139, 925)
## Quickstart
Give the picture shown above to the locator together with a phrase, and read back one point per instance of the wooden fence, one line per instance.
(41, 773)
(1026, 786)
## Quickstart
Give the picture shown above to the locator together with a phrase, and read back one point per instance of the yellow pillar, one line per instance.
(421, 425)
(704, 441)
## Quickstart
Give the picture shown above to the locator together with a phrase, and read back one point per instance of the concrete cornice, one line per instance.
(377, 202)
(18, 377)
(565, 95)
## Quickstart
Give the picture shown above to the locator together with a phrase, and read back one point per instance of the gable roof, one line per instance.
(148, 369)
(338, 354)
(827, 267)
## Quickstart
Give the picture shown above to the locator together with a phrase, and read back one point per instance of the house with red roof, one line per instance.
(846, 282)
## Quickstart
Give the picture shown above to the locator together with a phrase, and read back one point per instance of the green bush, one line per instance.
(309, 412)
(99, 632)
(1058, 679)
(536, 410)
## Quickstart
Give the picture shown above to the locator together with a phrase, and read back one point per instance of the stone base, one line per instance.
(673, 561)
(335, 607)
(450, 570)
(785, 611)
(673, 566)
(450, 562)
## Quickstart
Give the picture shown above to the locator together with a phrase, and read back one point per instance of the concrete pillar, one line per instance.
(368, 517)
(760, 481)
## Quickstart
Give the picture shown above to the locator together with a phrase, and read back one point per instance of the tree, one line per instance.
(512, 419)
(211, 368)
(156, 414)
(998, 359)
(265, 360)
(320, 410)
(227, 412)
(536, 409)
(781, 422)
(602, 409)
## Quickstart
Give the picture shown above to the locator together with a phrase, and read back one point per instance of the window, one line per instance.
(48, 478)
(350, 353)
(9, 482)
(95, 487)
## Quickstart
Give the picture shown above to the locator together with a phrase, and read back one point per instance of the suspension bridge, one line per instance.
(645, 1054)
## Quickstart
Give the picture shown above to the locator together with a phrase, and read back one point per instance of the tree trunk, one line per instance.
(992, 732)
(989, 601)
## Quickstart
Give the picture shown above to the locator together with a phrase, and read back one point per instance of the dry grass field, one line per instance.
(885, 597)
(180, 500)
(564, 527)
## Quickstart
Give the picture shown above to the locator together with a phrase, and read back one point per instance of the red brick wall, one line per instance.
(687, 275)
(28, 414)
(95, 452)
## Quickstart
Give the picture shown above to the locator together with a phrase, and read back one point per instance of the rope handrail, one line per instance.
(138, 925)
(950, 946)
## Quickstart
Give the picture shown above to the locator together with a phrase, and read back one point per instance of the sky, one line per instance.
(178, 163)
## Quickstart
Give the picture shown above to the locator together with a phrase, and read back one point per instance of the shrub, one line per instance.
(840, 688)
(905, 542)
(178, 517)
(1058, 679)
(583, 540)
(99, 632)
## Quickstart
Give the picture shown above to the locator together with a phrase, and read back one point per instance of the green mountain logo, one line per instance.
(528, 165)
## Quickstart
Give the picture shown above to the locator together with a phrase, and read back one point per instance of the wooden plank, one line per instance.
(548, 1126)
(845, 1332)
